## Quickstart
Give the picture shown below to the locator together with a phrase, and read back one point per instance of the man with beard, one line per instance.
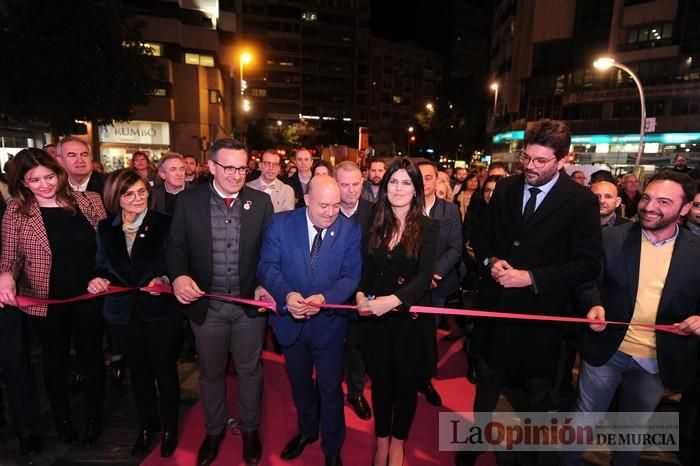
(609, 200)
(540, 237)
(693, 220)
(190, 168)
(650, 276)
(376, 172)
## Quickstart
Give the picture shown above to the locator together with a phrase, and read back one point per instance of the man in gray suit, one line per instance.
(214, 247)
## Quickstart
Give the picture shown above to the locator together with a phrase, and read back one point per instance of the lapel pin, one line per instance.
(142, 235)
(332, 233)
(247, 205)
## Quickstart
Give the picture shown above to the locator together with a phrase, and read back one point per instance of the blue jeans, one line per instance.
(640, 391)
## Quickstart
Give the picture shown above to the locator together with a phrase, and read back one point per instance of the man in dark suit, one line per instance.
(171, 169)
(650, 276)
(75, 157)
(609, 201)
(539, 239)
(449, 254)
(300, 180)
(214, 243)
(349, 178)
(311, 257)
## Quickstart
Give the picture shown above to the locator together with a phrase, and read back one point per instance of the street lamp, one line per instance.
(605, 63)
(408, 140)
(244, 59)
(494, 88)
(429, 106)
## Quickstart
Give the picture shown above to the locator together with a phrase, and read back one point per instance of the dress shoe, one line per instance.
(431, 395)
(168, 443)
(252, 447)
(142, 443)
(296, 446)
(209, 449)
(333, 461)
(93, 430)
(360, 406)
(66, 432)
(29, 443)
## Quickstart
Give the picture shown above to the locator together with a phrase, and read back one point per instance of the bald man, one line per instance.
(311, 256)
(609, 200)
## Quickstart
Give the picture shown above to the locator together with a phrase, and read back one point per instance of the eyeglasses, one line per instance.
(130, 196)
(537, 162)
(270, 164)
(230, 169)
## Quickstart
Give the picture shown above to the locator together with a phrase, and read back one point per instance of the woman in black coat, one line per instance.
(131, 253)
(399, 348)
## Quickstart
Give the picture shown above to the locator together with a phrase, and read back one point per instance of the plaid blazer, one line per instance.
(26, 253)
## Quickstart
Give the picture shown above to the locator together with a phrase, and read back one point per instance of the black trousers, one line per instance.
(533, 394)
(22, 396)
(151, 350)
(83, 322)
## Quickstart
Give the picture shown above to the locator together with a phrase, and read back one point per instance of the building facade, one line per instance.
(542, 55)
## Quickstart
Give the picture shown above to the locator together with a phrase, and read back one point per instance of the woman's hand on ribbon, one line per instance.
(186, 290)
(261, 294)
(98, 285)
(379, 305)
(8, 290)
(597, 313)
(691, 325)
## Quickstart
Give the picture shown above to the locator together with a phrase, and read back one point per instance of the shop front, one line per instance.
(121, 139)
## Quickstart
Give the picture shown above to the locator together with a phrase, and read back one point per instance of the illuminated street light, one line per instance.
(244, 59)
(605, 63)
(429, 106)
(246, 105)
(409, 139)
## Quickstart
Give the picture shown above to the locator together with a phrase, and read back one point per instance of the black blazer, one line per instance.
(294, 182)
(560, 246)
(147, 262)
(189, 249)
(450, 246)
(616, 291)
(157, 198)
(385, 273)
(96, 184)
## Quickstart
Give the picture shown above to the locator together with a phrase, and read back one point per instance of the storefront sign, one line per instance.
(136, 132)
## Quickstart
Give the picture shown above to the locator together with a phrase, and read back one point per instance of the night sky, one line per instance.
(424, 22)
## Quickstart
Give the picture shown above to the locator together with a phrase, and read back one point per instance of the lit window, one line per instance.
(201, 60)
(155, 50)
(160, 92)
(397, 99)
(215, 97)
(309, 16)
(259, 92)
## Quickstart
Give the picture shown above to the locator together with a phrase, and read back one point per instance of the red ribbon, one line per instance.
(162, 288)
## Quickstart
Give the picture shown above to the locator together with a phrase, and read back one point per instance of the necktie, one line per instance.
(531, 203)
(229, 202)
(316, 247)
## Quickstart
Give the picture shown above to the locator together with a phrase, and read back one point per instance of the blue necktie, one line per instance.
(316, 247)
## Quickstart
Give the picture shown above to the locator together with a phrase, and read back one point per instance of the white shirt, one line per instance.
(223, 196)
(350, 213)
(429, 207)
(312, 231)
(544, 190)
(81, 187)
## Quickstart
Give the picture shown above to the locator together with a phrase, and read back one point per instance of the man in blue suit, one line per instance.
(311, 256)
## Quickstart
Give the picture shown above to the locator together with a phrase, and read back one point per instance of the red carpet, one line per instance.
(279, 422)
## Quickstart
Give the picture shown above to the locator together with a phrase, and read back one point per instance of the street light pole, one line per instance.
(494, 88)
(244, 105)
(605, 63)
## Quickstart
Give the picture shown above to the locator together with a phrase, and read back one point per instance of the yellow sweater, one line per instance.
(654, 262)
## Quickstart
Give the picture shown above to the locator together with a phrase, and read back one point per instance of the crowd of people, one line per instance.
(308, 235)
